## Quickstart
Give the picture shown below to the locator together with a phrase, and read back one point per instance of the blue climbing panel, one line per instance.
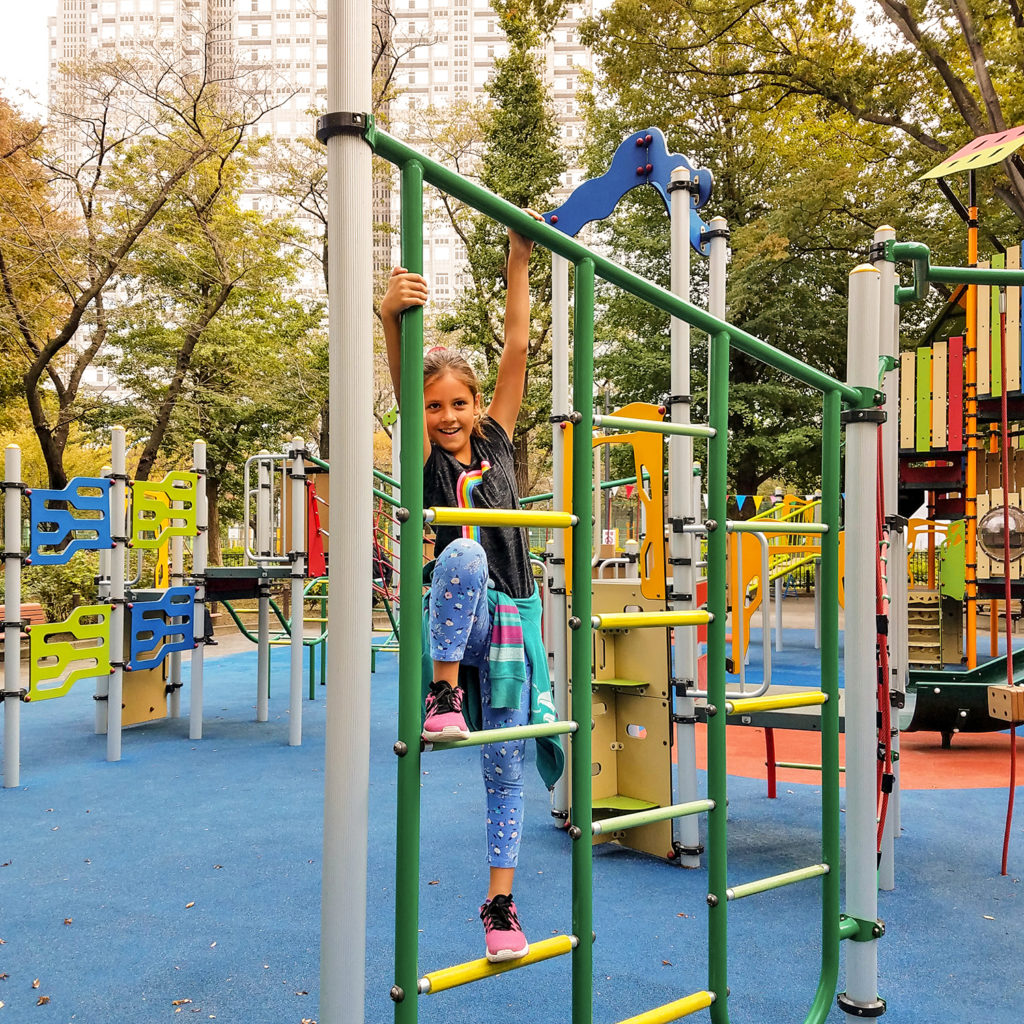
(641, 159)
(74, 519)
(156, 628)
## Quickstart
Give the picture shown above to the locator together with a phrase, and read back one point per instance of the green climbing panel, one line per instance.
(163, 508)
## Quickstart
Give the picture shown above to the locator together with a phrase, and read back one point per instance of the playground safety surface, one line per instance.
(185, 879)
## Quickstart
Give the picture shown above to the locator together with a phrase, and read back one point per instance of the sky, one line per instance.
(23, 45)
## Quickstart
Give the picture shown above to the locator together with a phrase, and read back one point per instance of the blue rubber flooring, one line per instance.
(184, 883)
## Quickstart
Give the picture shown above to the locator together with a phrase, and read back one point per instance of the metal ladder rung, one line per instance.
(631, 620)
(451, 516)
(512, 732)
(475, 970)
(674, 1011)
(803, 699)
(737, 892)
(625, 821)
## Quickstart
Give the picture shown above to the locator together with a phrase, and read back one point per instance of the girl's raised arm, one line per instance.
(508, 389)
(404, 291)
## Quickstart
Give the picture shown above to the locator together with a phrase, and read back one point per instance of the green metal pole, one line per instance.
(407, 858)
(829, 583)
(582, 808)
(323, 642)
(718, 460)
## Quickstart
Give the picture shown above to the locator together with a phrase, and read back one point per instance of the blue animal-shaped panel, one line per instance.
(155, 628)
(642, 159)
(74, 519)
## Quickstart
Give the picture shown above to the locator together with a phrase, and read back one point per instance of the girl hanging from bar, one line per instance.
(484, 657)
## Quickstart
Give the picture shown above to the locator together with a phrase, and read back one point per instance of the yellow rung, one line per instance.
(673, 1011)
(496, 517)
(474, 970)
(631, 620)
(744, 705)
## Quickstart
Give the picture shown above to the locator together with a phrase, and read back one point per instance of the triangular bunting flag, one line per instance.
(740, 499)
(758, 501)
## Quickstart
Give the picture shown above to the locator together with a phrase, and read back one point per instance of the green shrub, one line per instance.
(60, 588)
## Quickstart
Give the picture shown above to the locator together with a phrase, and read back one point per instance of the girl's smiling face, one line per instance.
(450, 410)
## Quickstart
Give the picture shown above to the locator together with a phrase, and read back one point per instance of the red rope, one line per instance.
(882, 651)
(1004, 444)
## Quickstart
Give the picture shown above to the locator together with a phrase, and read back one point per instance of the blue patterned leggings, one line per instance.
(460, 630)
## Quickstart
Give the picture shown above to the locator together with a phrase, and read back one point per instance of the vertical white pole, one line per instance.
(297, 475)
(103, 597)
(12, 617)
(263, 477)
(347, 744)
(888, 344)
(557, 597)
(200, 553)
(176, 580)
(682, 549)
(860, 670)
(120, 535)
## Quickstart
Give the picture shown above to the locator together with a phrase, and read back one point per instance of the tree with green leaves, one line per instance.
(802, 185)
(131, 131)
(521, 162)
(251, 382)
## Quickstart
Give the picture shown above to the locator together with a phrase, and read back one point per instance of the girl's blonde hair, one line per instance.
(440, 361)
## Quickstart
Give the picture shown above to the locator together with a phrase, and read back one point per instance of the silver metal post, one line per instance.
(120, 534)
(297, 470)
(860, 670)
(200, 549)
(264, 473)
(347, 742)
(102, 597)
(682, 547)
(12, 616)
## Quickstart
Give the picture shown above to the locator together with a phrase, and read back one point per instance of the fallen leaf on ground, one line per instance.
(42, 1000)
(434, 881)
(666, 963)
(180, 1002)
(68, 920)
(988, 917)
(302, 992)
(189, 906)
(35, 984)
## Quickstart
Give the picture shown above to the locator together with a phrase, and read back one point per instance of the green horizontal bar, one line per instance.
(384, 496)
(317, 462)
(512, 732)
(767, 526)
(626, 821)
(388, 480)
(737, 892)
(654, 426)
(511, 216)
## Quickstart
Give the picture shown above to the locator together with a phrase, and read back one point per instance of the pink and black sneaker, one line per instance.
(505, 938)
(444, 721)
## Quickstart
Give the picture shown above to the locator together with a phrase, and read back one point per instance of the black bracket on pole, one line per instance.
(340, 122)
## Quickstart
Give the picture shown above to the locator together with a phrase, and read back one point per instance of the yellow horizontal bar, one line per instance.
(444, 516)
(673, 1011)
(744, 705)
(630, 620)
(475, 970)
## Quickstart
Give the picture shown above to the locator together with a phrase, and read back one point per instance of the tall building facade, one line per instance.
(449, 48)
